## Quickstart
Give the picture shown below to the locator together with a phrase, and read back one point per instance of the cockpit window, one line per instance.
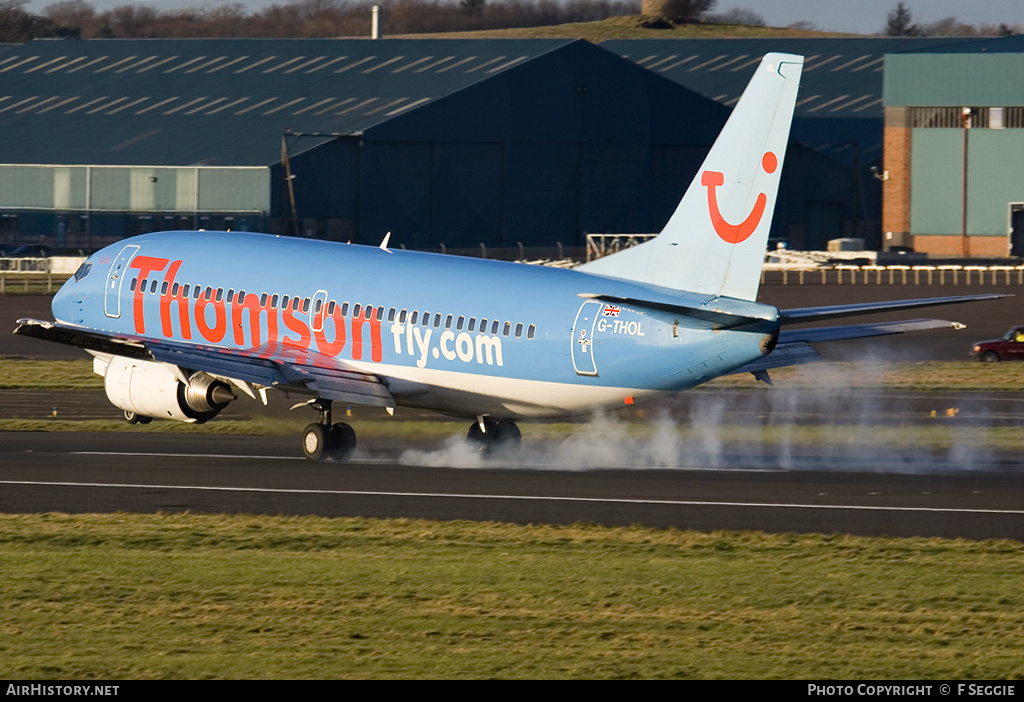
(83, 270)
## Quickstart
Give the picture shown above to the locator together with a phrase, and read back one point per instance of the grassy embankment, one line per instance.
(631, 27)
(192, 596)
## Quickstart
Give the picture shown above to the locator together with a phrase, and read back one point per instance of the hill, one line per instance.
(632, 27)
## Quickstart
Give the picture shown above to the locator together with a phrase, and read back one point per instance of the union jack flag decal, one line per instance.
(611, 311)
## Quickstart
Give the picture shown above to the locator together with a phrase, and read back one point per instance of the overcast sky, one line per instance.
(858, 16)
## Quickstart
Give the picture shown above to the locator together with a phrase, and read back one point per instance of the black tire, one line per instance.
(499, 437)
(990, 357)
(342, 444)
(134, 418)
(316, 442)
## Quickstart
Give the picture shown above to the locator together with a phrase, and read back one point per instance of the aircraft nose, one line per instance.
(68, 303)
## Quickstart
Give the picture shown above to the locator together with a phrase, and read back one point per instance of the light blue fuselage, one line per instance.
(547, 349)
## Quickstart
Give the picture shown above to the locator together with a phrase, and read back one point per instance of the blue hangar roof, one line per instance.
(840, 102)
(223, 101)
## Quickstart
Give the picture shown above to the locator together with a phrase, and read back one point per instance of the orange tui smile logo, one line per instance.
(736, 233)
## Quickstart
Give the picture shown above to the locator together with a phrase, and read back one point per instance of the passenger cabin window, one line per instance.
(508, 328)
(134, 283)
(494, 326)
(519, 330)
(531, 331)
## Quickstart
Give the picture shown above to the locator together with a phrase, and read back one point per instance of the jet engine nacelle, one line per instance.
(153, 390)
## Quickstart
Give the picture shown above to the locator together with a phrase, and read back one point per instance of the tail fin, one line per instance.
(701, 249)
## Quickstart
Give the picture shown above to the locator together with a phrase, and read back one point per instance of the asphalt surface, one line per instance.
(70, 472)
(720, 485)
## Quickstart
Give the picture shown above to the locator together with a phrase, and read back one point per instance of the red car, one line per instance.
(1009, 348)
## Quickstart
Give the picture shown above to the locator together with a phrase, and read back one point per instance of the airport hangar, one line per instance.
(954, 149)
(449, 144)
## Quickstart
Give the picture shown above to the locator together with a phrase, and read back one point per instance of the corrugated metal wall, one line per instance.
(134, 189)
(995, 178)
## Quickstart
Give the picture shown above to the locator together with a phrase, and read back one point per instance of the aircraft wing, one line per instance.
(794, 347)
(268, 366)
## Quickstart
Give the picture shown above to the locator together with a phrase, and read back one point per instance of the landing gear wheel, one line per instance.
(133, 418)
(499, 437)
(315, 440)
(323, 442)
(343, 443)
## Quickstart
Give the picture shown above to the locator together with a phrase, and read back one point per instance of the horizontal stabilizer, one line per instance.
(816, 314)
(860, 331)
(794, 344)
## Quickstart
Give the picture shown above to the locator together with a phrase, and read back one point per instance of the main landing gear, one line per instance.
(494, 437)
(325, 441)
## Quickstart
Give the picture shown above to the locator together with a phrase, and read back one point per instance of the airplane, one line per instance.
(179, 322)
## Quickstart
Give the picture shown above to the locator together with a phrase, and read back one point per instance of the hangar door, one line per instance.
(432, 194)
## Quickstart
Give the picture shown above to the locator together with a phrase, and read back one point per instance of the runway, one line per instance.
(69, 472)
(854, 489)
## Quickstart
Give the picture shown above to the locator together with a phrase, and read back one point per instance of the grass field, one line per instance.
(189, 596)
(212, 596)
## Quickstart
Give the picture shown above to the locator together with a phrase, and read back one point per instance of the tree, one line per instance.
(677, 10)
(472, 8)
(899, 23)
(17, 25)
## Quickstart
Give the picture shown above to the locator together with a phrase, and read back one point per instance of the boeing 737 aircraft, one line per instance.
(179, 322)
